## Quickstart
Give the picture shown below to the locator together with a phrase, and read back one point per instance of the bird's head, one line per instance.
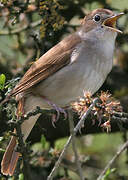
(101, 23)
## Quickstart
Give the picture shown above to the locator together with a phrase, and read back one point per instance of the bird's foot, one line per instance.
(58, 110)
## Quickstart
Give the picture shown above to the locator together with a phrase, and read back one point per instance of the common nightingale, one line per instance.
(80, 62)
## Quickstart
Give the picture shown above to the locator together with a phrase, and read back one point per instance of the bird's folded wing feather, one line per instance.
(53, 60)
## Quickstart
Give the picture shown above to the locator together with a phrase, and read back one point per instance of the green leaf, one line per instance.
(59, 144)
(2, 81)
(2, 150)
(108, 172)
(11, 178)
(1, 138)
(21, 176)
(43, 141)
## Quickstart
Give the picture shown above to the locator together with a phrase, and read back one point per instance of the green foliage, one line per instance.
(11, 178)
(40, 146)
(120, 93)
(107, 174)
(4, 1)
(59, 144)
(11, 84)
(21, 176)
(2, 81)
(43, 141)
(1, 138)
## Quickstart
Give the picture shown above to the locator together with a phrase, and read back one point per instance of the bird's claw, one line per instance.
(59, 110)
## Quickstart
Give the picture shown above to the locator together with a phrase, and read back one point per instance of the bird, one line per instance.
(78, 63)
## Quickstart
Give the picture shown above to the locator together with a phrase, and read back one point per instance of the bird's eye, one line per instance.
(97, 18)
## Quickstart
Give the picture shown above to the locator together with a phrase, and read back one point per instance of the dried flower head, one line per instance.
(106, 126)
(82, 105)
(109, 104)
(104, 110)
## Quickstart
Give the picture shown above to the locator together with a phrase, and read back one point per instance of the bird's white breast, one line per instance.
(90, 64)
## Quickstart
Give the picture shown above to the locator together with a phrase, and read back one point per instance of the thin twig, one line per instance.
(124, 140)
(121, 114)
(36, 111)
(123, 147)
(20, 29)
(78, 127)
(23, 150)
(77, 162)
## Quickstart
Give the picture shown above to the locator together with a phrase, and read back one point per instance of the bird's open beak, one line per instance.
(111, 22)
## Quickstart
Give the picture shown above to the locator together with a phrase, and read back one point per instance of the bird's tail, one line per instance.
(10, 157)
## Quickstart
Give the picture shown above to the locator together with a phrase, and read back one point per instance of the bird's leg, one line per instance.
(58, 109)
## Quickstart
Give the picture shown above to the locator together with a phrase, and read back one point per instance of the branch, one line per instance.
(20, 29)
(119, 122)
(24, 151)
(123, 147)
(77, 161)
(78, 127)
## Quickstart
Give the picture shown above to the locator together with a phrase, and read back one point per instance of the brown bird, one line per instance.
(80, 62)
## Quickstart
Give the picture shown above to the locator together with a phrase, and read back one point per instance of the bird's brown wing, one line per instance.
(53, 60)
